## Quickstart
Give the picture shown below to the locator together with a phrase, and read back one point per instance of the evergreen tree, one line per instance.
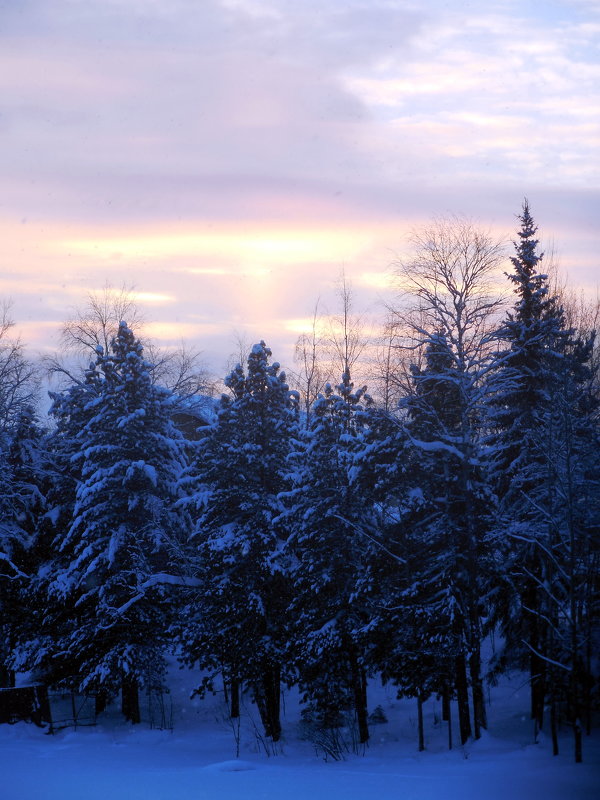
(235, 623)
(571, 572)
(453, 519)
(105, 624)
(22, 503)
(533, 338)
(325, 546)
(542, 422)
(447, 503)
(427, 574)
(18, 495)
(409, 581)
(48, 615)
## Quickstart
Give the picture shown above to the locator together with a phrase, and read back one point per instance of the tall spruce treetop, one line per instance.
(535, 336)
(543, 469)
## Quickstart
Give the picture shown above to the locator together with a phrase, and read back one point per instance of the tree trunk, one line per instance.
(578, 741)
(537, 666)
(274, 696)
(267, 694)
(359, 690)
(225, 691)
(553, 722)
(235, 698)
(74, 709)
(479, 715)
(446, 703)
(420, 718)
(589, 681)
(101, 701)
(449, 727)
(576, 708)
(447, 710)
(7, 677)
(130, 699)
(462, 697)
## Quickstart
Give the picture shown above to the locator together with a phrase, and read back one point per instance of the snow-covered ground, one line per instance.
(197, 760)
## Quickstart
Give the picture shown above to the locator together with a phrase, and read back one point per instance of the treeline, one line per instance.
(318, 542)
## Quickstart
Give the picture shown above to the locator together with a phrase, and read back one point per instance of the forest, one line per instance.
(308, 530)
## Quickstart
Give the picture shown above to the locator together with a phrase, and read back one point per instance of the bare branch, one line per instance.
(545, 658)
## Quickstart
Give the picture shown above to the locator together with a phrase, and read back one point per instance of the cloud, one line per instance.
(234, 155)
(236, 109)
(120, 94)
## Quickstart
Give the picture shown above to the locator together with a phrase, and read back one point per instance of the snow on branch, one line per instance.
(364, 533)
(164, 578)
(545, 658)
(160, 579)
(436, 446)
(18, 572)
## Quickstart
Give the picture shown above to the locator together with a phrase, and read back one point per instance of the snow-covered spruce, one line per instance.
(104, 624)
(236, 623)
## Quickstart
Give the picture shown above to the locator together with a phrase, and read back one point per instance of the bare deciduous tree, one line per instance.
(347, 338)
(94, 325)
(242, 350)
(181, 369)
(450, 281)
(389, 378)
(311, 375)
(335, 345)
(19, 379)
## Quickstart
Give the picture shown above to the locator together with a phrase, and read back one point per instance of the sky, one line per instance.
(228, 158)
